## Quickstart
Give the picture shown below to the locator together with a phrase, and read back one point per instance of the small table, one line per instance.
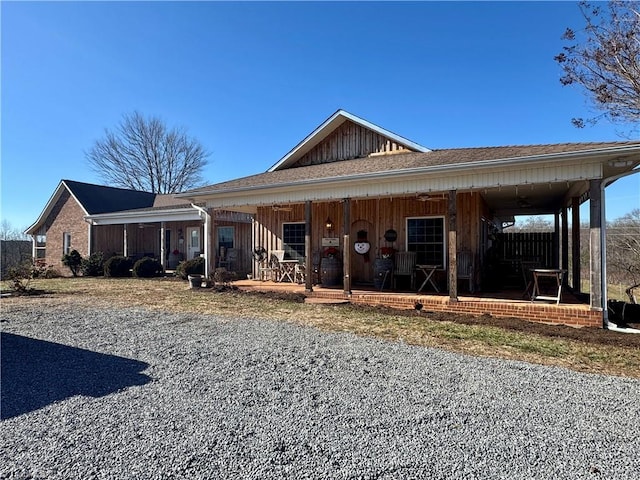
(556, 273)
(428, 271)
(288, 270)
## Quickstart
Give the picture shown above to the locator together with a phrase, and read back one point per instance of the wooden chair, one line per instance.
(270, 269)
(405, 265)
(466, 269)
(230, 258)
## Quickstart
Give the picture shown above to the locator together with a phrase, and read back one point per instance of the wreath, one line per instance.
(259, 254)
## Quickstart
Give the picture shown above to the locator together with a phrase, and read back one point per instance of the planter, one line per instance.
(382, 268)
(195, 281)
(331, 269)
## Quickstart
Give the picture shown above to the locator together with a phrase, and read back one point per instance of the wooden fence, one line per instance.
(529, 246)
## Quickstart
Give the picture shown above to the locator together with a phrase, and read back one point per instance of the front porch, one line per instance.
(571, 312)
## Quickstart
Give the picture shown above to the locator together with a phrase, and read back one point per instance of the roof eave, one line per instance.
(131, 216)
(504, 162)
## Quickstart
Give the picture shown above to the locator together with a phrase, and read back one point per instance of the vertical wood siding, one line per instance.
(349, 141)
(376, 216)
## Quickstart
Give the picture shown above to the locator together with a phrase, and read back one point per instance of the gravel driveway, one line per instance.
(133, 394)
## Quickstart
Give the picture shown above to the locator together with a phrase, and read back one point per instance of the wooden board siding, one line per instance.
(241, 243)
(349, 141)
(107, 239)
(374, 215)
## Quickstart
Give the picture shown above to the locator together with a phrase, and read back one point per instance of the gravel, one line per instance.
(134, 394)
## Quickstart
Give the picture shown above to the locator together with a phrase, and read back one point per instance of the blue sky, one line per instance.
(250, 80)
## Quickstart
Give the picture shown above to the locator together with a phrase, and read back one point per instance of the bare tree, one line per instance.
(623, 250)
(142, 154)
(9, 232)
(604, 58)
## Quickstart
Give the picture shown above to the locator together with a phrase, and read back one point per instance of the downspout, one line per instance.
(207, 233)
(603, 245)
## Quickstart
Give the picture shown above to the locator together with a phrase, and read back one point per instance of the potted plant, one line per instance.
(387, 252)
(383, 267)
(331, 252)
(331, 267)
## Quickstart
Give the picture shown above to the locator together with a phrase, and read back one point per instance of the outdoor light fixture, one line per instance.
(328, 224)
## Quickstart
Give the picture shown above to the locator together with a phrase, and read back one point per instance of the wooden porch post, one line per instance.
(308, 261)
(125, 247)
(210, 235)
(575, 243)
(453, 247)
(163, 254)
(346, 265)
(556, 239)
(565, 243)
(595, 246)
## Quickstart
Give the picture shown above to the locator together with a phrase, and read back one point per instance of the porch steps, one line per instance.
(326, 301)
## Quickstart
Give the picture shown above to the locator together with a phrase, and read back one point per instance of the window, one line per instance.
(426, 236)
(225, 237)
(66, 243)
(293, 240)
(41, 246)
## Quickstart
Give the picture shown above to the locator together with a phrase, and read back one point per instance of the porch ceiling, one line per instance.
(532, 199)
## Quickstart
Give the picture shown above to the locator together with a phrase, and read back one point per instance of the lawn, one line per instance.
(586, 350)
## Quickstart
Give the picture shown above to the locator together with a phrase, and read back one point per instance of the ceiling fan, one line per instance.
(280, 208)
(427, 197)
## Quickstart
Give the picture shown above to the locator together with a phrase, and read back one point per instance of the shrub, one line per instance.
(20, 276)
(223, 276)
(190, 267)
(147, 267)
(117, 266)
(93, 265)
(73, 260)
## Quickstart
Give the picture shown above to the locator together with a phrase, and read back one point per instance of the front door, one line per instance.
(193, 242)
(362, 264)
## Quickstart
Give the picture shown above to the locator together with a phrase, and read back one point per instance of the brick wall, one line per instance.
(66, 216)
(573, 315)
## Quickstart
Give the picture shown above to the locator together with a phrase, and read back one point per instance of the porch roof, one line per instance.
(463, 168)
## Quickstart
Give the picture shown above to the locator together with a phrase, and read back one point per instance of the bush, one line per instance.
(190, 267)
(20, 277)
(117, 266)
(93, 265)
(73, 260)
(147, 267)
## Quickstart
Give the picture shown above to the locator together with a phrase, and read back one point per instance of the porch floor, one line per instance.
(499, 304)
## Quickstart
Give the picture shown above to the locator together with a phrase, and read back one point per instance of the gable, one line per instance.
(350, 141)
(334, 141)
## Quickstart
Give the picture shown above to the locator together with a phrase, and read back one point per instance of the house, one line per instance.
(352, 182)
(61, 227)
(95, 218)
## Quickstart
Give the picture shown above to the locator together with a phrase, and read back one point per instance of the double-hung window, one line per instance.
(66, 243)
(41, 246)
(293, 240)
(425, 235)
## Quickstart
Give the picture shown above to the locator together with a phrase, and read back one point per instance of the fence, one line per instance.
(529, 246)
(13, 253)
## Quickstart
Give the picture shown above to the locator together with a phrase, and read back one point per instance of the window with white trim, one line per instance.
(293, 240)
(425, 235)
(41, 246)
(66, 243)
